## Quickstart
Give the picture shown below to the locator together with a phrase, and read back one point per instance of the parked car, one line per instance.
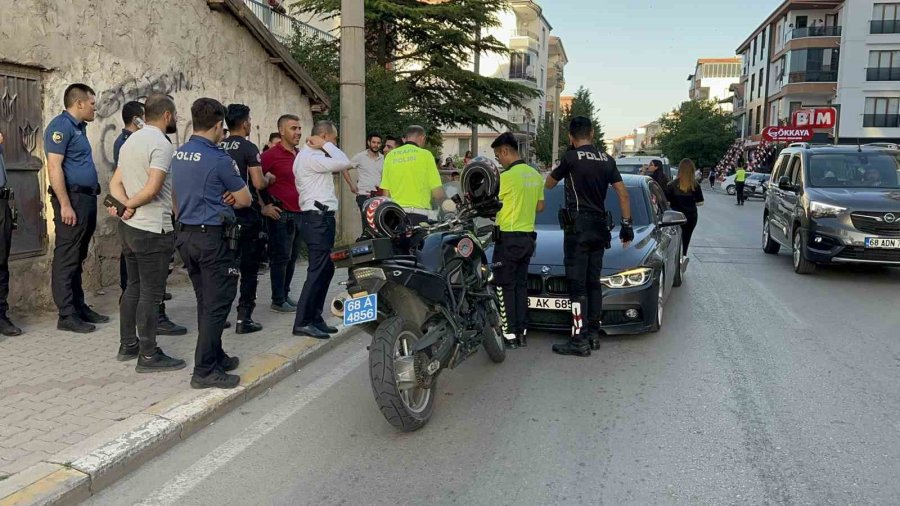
(834, 204)
(637, 280)
(633, 164)
(754, 179)
(756, 185)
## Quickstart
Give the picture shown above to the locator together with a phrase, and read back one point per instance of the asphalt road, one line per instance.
(763, 387)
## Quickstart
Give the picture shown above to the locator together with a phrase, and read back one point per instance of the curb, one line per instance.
(82, 470)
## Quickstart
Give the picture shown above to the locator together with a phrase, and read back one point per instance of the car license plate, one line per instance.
(361, 310)
(549, 303)
(879, 243)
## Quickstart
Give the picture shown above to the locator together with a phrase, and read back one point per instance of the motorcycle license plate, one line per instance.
(549, 304)
(879, 243)
(361, 310)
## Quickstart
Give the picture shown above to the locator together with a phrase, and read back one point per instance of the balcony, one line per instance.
(815, 31)
(524, 39)
(883, 74)
(884, 26)
(282, 26)
(881, 120)
(813, 76)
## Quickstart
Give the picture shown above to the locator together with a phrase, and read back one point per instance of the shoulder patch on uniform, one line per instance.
(57, 137)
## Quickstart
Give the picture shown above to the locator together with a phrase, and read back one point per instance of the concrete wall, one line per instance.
(127, 50)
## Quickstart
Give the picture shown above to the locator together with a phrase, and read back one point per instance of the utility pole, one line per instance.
(473, 143)
(556, 110)
(353, 106)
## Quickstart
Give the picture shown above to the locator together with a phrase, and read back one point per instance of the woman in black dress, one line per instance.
(685, 196)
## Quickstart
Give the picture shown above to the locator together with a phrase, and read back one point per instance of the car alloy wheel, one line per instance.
(730, 189)
(798, 251)
(765, 234)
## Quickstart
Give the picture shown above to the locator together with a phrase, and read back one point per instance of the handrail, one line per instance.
(284, 27)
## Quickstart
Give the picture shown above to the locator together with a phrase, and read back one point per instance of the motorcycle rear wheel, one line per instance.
(406, 410)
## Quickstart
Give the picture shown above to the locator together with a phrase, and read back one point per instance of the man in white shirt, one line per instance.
(314, 170)
(143, 184)
(369, 164)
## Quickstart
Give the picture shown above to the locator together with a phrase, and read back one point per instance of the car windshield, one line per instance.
(854, 170)
(629, 168)
(555, 199)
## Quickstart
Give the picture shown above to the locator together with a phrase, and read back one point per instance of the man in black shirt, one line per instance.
(246, 155)
(588, 174)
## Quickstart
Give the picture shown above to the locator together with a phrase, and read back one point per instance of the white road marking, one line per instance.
(179, 486)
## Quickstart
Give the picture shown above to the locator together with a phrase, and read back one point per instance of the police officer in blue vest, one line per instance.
(208, 188)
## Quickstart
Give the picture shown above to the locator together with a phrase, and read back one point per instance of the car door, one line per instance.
(786, 200)
(774, 196)
(792, 198)
(669, 238)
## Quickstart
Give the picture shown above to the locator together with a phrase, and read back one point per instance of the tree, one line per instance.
(698, 130)
(429, 49)
(582, 105)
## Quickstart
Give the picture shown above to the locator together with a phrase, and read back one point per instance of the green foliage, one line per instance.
(698, 130)
(427, 49)
(582, 105)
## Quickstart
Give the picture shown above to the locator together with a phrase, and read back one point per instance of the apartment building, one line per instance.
(712, 80)
(809, 53)
(526, 32)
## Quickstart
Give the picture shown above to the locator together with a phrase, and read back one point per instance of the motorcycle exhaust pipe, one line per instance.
(337, 304)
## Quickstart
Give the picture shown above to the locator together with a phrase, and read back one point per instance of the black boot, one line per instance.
(578, 347)
(245, 324)
(523, 339)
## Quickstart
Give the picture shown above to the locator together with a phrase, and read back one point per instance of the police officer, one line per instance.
(588, 173)
(208, 187)
(74, 187)
(411, 177)
(522, 195)
(246, 155)
(133, 117)
(6, 227)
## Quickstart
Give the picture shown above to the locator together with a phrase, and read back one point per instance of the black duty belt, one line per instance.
(199, 228)
(317, 213)
(74, 188)
(517, 234)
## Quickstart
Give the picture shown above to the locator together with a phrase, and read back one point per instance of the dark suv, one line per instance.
(832, 204)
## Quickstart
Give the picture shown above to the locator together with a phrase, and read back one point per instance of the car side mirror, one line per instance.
(673, 218)
(785, 184)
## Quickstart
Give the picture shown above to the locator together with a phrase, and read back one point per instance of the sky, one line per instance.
(635, 55)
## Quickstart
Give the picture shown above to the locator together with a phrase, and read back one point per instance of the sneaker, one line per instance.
(75, 324)
(91, 316)
(127, 352)
(284, 307)
(324, 327)
(166, 327)
(580, 348)
(291, 302)
(215, 379)
(247, 326)
(158, 362)
(230, 363)
(7, 328)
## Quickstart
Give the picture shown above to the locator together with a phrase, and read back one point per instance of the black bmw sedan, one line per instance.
(637, 280)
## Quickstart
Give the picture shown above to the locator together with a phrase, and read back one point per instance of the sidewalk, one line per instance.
(63, 396)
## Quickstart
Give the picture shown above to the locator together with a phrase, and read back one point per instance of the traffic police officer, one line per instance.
(522, 195)
(74, 186)
(208, 187)
(411, 178)
(588, 174)
(246, 155)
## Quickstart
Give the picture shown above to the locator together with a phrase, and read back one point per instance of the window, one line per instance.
(885, 18)
(754, 52)
(658, 199)
(521, 66)
(762, 44)
(752, 85)
(463, 146)
(814, 65)
(780, 167)
(760, 83)
(882, 112)
(794, 173)
(20, 122)
(750, 123)
(758, 118)
(883, 66)
(854, 170)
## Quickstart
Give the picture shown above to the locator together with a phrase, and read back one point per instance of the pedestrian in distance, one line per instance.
(247, 158)
(522, 195)
(657, 173)
(712, 178)
(142, 183)
(685, 196)
(467, 158)
(7, 223)
(314, 169)
(740, 178)
(369, 165)
(74, 186)
(411, 178)
(282, 213)
(588, 174)
(208, 188)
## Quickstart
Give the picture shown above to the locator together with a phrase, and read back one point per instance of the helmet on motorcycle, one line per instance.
(480, 180)
(384, 218)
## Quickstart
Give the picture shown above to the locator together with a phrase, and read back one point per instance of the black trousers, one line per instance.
(687, 230)
(70, 251)
(317, 231)
(360, 200)
(284, 247)
(739, 191)
(512, 254)
(712, 181)
(249, 255)
(146, 257)
(589, 239)
(213, 270)
(5, 246)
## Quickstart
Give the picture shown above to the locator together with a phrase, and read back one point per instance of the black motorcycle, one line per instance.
(435, 305)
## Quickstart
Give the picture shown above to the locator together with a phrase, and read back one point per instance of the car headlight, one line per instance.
(628, 279)
(820, 210)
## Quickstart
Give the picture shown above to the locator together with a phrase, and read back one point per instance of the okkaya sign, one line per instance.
(787, 134)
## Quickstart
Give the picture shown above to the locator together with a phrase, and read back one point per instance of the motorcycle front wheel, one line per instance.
(406, 407)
